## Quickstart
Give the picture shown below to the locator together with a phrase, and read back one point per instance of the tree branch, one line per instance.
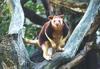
(79, 57)
(14, 54)
(88, 45)
(77, 36)
(32, 15)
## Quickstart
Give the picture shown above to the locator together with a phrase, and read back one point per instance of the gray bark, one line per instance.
(77, 36)
(13, 54)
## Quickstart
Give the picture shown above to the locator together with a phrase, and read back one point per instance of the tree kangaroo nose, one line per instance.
(57, 24)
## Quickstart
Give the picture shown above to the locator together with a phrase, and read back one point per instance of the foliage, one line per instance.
(4, 18)
(36, 7)
(31, 33)
(31, 29)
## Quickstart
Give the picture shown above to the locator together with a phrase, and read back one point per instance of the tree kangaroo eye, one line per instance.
(54, 21)
(59, 21)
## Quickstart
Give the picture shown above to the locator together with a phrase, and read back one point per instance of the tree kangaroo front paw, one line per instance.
(53, 45)
(60, 49)
(47, 57)
(45, 51)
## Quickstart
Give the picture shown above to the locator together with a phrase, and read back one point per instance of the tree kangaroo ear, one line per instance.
(62, 16)
(50, 17)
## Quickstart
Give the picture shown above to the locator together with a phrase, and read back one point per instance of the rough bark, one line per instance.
(35, 18)
(89, 42)
(77, 36)
(13, 54)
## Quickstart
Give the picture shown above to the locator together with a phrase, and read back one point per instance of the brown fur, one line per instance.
(53, 34)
